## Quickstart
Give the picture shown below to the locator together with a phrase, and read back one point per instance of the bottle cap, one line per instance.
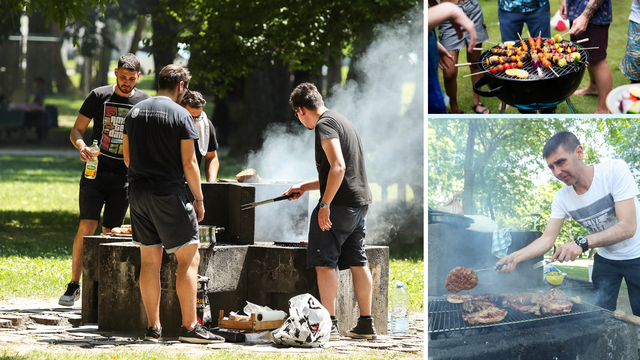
(189, 207)
(399, 284)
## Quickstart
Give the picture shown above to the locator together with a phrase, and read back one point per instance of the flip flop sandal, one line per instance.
(475, 108)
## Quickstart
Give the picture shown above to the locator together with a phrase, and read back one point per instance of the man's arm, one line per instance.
(540, 246)
(192, 174)
(333, 150)
(211, 166)
(624, 229)
(580, 24)
(125, 149)
(79, 127)
(299, 189)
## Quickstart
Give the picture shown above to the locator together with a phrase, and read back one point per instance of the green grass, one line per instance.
(582, 104)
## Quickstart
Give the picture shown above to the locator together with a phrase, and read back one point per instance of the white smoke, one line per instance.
(386, 107)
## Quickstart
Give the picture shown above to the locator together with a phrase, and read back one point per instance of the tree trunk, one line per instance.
(164, 52)
(108, 32)
(137, 35)
(45, 59)
(469, 174)
(9, 55)
(265, 100)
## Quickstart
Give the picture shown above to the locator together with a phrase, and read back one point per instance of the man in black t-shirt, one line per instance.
(337, 229)
(159, 149)
(107, 107)
(207, 144)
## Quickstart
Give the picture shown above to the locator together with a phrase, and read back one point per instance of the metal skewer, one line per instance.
(481, 72)
(252, 205)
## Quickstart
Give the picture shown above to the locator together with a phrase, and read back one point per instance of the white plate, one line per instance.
(615, 95)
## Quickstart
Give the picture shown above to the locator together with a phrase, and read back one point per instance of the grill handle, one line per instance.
(485, 81)
(631, 319)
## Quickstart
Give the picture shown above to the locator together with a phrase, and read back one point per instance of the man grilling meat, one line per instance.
(337, 230)
(602, 198)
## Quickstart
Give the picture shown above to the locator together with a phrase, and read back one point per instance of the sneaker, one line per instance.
(363, 330)
(335, 331)
(199, 335)
(153, 334)
(71, 295)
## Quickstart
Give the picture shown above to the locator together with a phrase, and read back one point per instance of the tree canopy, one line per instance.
(60, 10)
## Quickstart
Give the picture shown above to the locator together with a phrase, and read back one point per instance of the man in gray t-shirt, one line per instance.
(337, 229)
(159, 151)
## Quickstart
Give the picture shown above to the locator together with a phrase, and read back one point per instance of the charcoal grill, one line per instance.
(445, 317)
(534, 93)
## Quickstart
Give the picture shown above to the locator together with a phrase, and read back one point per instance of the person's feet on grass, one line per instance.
(199, 335)
(480, 109)
(588, 91)
(500, 107)
(456, 110)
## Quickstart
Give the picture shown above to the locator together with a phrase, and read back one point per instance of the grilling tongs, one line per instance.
(254, 204)
(492, 268)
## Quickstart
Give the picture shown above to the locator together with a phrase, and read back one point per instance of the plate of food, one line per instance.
(624, 99)
(124, 230)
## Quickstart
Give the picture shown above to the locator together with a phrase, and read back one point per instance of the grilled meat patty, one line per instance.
(526, 309)
(476, 305)
(556, 306)
(458, 299)
(461, 278)
(488, 315)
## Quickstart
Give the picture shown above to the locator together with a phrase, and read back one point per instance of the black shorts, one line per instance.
(343, 244)
(108, 189)
(598, 36)
(159, 219)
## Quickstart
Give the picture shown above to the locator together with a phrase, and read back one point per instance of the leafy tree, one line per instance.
(59, 10)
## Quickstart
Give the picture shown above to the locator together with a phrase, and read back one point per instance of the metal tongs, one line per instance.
(254, 204)
(492, 268)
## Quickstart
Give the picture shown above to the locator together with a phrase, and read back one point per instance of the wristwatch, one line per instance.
(583, 242)
(324, 205)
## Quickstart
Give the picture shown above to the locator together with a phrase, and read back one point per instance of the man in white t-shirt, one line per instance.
(602, 198)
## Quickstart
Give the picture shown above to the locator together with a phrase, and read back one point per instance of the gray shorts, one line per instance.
(343, 244)
(447, 35)
(159, 219)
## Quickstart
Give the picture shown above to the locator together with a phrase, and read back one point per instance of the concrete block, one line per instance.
(222, 208)
(264, 274)
(90, 275)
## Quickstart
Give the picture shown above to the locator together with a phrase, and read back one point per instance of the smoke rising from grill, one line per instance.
(386, 107)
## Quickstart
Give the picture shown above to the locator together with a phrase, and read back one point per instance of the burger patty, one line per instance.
(461, 278)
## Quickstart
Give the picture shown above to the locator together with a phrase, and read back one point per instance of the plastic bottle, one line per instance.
(400, 309)
(91, 168)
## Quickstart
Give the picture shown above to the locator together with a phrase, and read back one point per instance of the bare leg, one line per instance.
(187, 283)
(328, 287)
(86, 228)
(362, 285)
(473, 57)
(450, 77)
(604, 81)
(150, 261)
(592, 88)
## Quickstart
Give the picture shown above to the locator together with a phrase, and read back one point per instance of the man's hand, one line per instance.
(563, 10)
(509, 263)
(85, 154)
(295, 192)
(323, 219)
(461, 21)
(443, 54)
(567, 252)
(580, 25)
(199, 208)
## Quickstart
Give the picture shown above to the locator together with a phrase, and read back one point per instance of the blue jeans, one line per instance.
(607, 277)
(538, 21)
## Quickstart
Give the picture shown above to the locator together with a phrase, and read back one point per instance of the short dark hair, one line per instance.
(567, 139)
(193, 99)
(171, 75)
(129, 62)
(306, 95)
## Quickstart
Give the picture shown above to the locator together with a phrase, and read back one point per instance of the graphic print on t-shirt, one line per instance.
(113, 127)
(598, 216)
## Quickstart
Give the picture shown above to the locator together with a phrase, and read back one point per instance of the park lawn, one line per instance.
(582, 104)
(38, 220)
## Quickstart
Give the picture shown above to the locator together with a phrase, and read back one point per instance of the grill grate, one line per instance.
(533, 73)
(444, 316)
